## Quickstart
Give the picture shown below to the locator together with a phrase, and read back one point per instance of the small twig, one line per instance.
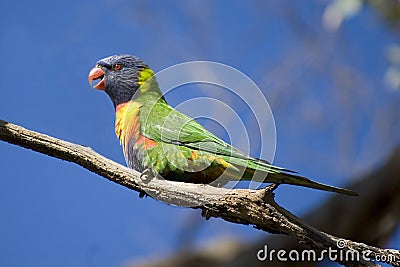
(267, 192)
(254, 207)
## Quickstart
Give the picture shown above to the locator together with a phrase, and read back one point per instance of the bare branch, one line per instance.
(250, 207)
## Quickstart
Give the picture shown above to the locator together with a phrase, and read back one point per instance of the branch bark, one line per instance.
(250, 207)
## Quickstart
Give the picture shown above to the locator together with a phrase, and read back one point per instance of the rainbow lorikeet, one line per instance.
(159, 138)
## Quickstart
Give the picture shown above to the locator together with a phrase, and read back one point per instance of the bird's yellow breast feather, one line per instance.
(126, 121)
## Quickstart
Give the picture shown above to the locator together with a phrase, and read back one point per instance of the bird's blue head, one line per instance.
(120, 76)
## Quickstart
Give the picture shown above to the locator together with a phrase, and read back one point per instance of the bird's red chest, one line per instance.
(127, 126)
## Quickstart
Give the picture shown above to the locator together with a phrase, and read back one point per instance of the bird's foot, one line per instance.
(147, 175)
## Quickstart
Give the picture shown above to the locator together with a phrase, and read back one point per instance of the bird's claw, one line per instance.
(146, 175)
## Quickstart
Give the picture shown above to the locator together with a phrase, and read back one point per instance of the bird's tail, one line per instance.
(290, 178)
(263, 171)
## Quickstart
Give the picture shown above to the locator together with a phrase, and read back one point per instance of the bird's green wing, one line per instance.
(162, 123)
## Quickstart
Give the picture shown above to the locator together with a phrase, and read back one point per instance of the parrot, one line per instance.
(160, 140)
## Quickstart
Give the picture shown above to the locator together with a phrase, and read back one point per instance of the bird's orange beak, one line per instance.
(94, 74)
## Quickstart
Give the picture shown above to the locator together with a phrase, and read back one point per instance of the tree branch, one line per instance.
(253, 207)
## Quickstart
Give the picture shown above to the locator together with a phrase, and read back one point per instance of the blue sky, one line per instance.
(335, 118)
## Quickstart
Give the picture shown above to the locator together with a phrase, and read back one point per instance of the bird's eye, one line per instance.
(117, 67)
